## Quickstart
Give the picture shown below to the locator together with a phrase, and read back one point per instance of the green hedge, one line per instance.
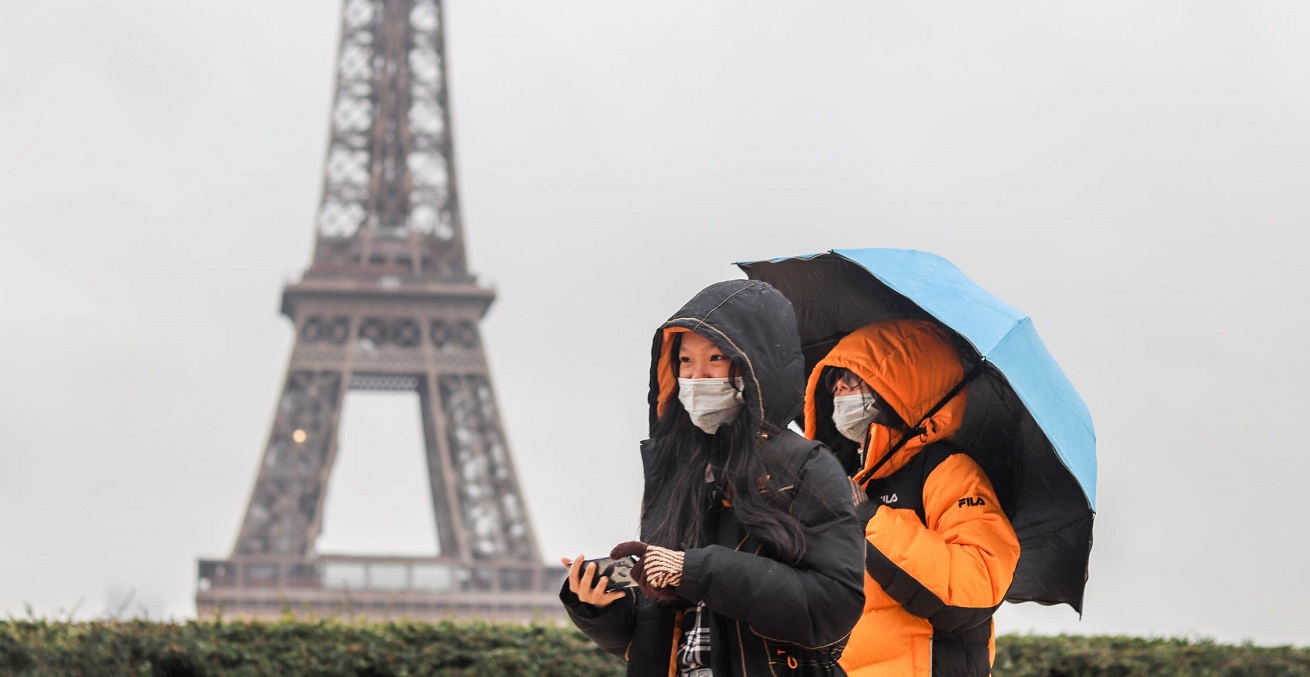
(323, 648)
(1033, 656)
(214, 648)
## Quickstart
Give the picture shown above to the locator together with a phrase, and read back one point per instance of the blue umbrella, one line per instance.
(1024, 422)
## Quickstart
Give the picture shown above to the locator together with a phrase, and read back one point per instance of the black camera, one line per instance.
(618, 570)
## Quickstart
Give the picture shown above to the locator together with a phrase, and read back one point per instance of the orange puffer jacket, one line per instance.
(941, 553)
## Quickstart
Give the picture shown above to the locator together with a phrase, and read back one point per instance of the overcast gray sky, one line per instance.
(1133, 175)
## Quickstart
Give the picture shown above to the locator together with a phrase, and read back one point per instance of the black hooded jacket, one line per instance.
(769, 616)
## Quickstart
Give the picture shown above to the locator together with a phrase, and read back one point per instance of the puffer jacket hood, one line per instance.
(911, 365)
(754, 325)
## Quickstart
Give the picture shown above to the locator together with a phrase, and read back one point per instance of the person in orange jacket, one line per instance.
(940, 552)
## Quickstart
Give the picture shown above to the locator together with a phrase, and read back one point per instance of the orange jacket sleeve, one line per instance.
(955, 569)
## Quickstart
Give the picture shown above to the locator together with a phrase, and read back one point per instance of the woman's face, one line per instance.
(698, 358)
(845, 383)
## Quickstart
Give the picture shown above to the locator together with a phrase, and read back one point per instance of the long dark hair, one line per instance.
(750, 475)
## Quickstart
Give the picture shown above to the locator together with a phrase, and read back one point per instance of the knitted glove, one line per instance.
(658, 570)
(865, 509)
(857, 492)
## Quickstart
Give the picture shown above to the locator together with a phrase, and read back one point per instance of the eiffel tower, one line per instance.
(387, 304)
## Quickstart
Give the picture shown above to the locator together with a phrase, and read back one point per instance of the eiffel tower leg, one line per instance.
(488, 492)
(445, 495)
(284, 515)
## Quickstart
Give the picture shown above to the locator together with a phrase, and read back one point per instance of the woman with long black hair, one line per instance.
(751, 558)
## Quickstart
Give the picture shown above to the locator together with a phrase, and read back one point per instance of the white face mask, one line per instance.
(711, 402)
(853, 414)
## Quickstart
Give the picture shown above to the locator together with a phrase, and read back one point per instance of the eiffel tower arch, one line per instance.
(387, 304)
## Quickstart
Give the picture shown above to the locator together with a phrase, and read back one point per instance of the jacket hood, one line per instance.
(755, 327)
(911, 365)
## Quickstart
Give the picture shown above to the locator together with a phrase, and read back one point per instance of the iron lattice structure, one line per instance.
(387, 304)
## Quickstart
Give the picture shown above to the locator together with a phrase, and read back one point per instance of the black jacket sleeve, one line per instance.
(609, 627)
(813, 602)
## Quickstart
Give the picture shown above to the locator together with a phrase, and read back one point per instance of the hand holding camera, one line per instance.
(600, 581)
(654, 570)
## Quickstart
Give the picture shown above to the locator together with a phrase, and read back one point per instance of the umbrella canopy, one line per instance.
(1024, 422)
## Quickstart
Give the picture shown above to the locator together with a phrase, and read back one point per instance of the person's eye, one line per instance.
(716, 358)
(684, 359)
